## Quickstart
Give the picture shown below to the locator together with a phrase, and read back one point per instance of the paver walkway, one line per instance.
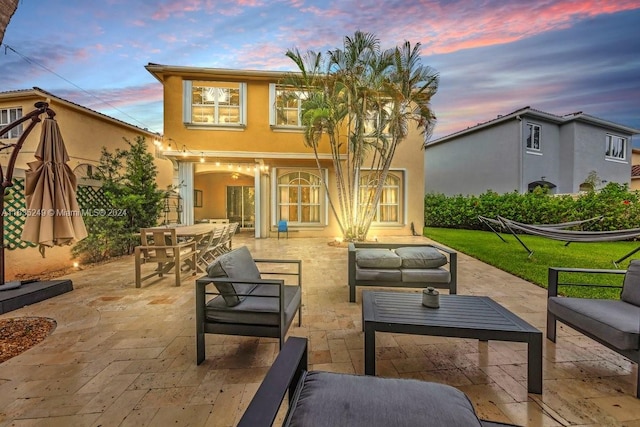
(122, 356)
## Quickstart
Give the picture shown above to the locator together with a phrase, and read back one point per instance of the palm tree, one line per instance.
(363, 98)
(7, 9)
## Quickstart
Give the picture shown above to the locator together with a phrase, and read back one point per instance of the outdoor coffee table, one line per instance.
(459, 316)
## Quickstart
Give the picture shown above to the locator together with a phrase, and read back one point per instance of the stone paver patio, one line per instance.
(122, 356)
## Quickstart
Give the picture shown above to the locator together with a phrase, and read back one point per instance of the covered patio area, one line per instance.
(122, 356)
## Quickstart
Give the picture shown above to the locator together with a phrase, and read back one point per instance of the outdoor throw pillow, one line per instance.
(421, 257)
(631, 286)
(237, 264)
(377, 258)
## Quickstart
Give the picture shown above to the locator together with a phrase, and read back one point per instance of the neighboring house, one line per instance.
(238, 145)
(635, 169)
(526, 149)
(85, 132)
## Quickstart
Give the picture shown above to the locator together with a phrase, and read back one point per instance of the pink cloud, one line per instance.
(447, 28)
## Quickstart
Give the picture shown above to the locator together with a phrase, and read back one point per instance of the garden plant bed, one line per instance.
(19, 334)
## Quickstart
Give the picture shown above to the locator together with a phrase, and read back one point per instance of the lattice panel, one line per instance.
(16, 207)
(14, 217)
(89, 197)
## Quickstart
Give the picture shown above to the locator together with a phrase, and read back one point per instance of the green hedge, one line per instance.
(619, 206)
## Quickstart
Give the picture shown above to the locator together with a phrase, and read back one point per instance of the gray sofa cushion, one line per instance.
(631, 287)
(433, 275)
(613, 321)
(255, 310)
(237, 264)
(377, 258)
(331, 399)
(379, 275)
(421, 257)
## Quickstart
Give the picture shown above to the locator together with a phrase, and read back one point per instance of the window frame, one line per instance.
(17, 131)
(609, 140)
(321, 197)
(398, 177)
(530, 139)
(188, 105)
(273, 108)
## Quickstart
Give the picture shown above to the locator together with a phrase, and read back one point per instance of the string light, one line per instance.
(231, 166)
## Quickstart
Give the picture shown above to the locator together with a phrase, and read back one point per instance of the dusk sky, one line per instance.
(493, 56)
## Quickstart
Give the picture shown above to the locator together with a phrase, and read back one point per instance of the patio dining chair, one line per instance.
(161, 246)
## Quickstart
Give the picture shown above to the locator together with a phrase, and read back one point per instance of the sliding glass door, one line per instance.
(241, 206)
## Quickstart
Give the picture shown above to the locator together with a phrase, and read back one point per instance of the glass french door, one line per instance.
(241, 205)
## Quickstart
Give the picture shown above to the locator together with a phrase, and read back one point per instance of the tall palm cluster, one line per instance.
(364, 99)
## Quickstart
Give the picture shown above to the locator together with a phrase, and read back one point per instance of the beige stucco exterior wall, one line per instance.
(85, 133)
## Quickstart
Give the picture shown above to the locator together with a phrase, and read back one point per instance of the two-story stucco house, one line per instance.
(85, 132)
(529, 148)
(237, 143)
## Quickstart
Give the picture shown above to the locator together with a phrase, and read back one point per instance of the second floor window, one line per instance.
(286, 106)
(616, 147)
(533, 137)
(7, 116)
(214, 103)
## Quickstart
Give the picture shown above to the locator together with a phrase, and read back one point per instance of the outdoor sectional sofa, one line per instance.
(613, 323)
(318, 398)
(405, 265)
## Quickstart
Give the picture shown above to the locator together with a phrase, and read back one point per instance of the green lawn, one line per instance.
(513, 258)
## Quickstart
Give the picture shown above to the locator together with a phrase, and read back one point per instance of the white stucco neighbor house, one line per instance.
(529, 148)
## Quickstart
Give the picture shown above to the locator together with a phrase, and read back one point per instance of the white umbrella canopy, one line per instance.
(53, 215)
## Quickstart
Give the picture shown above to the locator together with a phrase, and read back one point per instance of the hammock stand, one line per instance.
(557, 232)
(501, 224)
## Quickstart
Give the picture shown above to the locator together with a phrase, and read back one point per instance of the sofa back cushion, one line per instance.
(237, 264)
(631, 286)
(377, 258)
(421, 257)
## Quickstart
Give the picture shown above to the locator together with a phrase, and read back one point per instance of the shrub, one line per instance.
(619, 207)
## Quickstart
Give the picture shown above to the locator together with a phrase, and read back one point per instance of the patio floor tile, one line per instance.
(122, 356)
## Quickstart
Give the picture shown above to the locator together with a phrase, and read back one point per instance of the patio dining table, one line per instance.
(195, 233)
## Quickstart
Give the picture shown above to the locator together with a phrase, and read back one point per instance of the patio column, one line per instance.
(185, 178)
(257, 201)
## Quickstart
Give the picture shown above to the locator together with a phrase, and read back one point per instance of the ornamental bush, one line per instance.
(619, 207)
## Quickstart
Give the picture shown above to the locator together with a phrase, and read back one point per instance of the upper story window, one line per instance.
(377, 122)
(286, 106)
(213, 103)
(533, 137)
(616, 147)
(7, 116)
(388, 209)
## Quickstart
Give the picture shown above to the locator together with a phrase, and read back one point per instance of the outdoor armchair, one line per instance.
(235, 299)
(614, 323)
(319, 398)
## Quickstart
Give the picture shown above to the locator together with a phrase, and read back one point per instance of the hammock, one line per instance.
(557, 232)
(572, 235)
(501, 222)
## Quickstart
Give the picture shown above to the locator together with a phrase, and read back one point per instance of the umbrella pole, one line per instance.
(7, 178)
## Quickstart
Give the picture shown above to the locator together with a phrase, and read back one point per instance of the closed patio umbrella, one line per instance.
(53, 215)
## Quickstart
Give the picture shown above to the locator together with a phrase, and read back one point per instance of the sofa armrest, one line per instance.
(554, 273)
(283, 375)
